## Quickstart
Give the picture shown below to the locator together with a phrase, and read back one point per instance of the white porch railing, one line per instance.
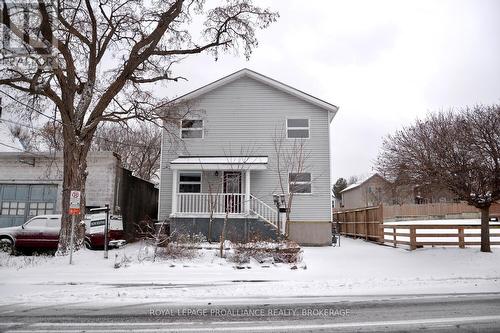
(217, 203)
(204, 203)
(264, 211)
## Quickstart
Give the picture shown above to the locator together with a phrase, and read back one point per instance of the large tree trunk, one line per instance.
(485, 229)
(75, 175)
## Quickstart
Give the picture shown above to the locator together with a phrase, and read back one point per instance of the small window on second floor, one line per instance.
(192, 129)
(297, 128)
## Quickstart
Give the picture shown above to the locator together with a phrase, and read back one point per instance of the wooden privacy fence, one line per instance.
(362, 222)
(437, 235)
(435, 211)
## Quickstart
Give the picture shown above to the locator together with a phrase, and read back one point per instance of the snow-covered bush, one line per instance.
(20, 262)
(285, 251)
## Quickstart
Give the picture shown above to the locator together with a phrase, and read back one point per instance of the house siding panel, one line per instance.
(240, 119)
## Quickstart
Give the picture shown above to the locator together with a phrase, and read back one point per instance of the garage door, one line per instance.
(18, 203)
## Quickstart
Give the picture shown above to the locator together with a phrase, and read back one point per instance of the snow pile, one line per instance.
(355, 268)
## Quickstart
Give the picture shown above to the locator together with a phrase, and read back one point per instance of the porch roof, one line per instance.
(219, 163)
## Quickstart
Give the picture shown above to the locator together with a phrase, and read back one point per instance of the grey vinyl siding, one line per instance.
(240, 118)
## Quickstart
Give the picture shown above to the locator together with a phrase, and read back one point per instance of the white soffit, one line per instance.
(220, 163)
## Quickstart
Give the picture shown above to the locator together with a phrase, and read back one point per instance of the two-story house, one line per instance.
(247, 138)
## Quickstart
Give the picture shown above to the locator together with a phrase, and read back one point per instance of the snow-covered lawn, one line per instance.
(355, 268)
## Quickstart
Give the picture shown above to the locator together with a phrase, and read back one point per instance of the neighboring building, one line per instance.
(31, 184)
(370, 191)
(375, 190)
(432, 194)
(229, 146)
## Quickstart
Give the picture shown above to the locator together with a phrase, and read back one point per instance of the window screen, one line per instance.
(297, 128)
(299, 182)
(189, 182)
(191, 129)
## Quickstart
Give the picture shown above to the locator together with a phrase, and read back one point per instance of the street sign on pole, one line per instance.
(74, 209)
(74, 202)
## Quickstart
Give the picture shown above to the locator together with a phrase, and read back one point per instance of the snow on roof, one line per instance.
(8, 143)
(219, 162)
(350, 187)
(266, 80)
(360, 182)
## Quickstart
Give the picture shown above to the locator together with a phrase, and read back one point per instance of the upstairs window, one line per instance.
(192, 129)
(297, 128)
(189, 182)
(299, 182)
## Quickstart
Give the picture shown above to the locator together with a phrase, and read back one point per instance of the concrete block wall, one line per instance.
(43, 168)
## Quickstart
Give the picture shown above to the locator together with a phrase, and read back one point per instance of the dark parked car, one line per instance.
(42, 233)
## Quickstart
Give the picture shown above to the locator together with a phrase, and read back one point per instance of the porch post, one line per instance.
(247, 191)
(174, 191)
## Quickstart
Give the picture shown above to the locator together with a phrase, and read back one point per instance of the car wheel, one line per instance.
(7, 245)
(88, 245)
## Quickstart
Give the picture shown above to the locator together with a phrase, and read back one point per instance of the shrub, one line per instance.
(184, 246)
(278, 252)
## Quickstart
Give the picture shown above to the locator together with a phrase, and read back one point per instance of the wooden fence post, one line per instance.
(413, 238)
(381, 222)
(355, 225)
(365, 218)
(346, 224)
(461, 240)
(394, 236)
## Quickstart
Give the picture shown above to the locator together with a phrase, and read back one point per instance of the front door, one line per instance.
(232, 189)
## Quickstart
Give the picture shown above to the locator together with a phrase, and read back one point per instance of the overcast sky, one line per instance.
(384, 63)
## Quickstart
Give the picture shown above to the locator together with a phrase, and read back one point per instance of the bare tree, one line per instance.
(139, 146)
(292, 168)
(353, 180)
(459, 151)
(93, 61)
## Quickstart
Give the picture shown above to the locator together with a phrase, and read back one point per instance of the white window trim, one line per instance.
(308, 128)
(310, 182)
(192, 173)
(202, 129)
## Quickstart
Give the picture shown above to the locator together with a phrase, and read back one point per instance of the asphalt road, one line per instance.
(402, 313)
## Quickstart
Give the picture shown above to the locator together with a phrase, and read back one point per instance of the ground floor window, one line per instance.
(190, 182)
(299, 182)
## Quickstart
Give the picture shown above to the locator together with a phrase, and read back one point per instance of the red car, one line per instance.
(42, 233)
